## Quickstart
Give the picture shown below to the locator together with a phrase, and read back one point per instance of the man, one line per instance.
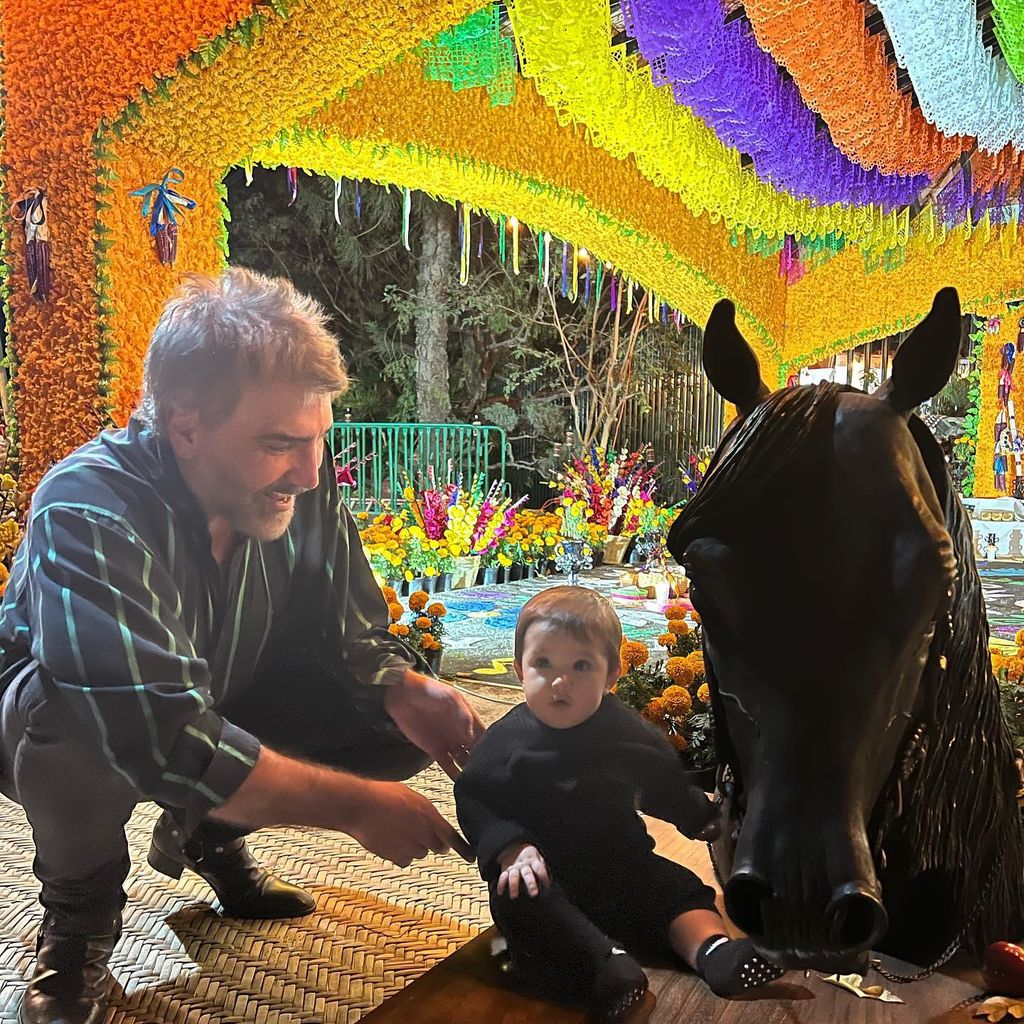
(191, 620)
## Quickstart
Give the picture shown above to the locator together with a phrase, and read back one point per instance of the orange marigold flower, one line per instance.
(679, 672)
(695, 616)
(398, 629)
(634, 653)
(418, 601)
(1019, 638)
(677, 701)
(667, 639)
(395, 610)
(676, 611)
(437, 609)
(704, 693)
(678, 740)
(390, 595)
(430, 642)
(1015, 670)
(678, 626)
(423, 622)
(654, 710)
(394, 628)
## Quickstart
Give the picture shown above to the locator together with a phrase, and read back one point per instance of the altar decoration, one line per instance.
(31, 211)
(671, 691)
(615, 486)
(162, 205)
(689, 218)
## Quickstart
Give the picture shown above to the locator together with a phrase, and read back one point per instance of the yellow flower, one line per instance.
(634, 653)
(423, 622)
(419, 600)
(654, 710)
(437, 609)
(678, 627)
(677, 701)
(7, 482)
(675, 611)
(678, 671)
(704, 693)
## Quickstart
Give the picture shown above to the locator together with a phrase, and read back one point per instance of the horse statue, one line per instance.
(868, 777)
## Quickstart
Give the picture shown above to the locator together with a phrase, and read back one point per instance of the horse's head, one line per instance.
(821, 566)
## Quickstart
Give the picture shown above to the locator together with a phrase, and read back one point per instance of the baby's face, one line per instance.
(564, 678)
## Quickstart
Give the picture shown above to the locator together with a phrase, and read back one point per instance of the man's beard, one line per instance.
(258, 519)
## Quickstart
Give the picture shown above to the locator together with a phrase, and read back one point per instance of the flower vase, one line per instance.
(433, 659)
(444, 582)
(531, 570)
(572, 559)
(413, 585)
(430, 584)
(490, 575)
(396, 585)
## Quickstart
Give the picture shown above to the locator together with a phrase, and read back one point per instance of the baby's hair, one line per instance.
(577, 610)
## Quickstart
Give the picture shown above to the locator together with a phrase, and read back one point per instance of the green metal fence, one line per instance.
(398, 449)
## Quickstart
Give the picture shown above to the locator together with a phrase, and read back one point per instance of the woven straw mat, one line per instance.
(375, 929)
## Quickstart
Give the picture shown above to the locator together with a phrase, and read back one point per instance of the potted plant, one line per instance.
(423, 628)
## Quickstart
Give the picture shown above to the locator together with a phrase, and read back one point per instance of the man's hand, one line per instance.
(522, 866)
(436, 718)
(401, 826)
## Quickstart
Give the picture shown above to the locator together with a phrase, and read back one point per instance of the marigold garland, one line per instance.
(573, 68)
(56, 95)
(867, 116)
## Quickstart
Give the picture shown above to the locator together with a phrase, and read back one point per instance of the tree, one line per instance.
(433, 400)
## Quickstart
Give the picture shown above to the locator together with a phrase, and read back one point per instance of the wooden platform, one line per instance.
(466, 988)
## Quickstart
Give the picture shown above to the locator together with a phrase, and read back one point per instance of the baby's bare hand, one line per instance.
(522, 869)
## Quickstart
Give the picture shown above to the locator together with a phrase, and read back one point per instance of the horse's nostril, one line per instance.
(745, 895)
(855, 917)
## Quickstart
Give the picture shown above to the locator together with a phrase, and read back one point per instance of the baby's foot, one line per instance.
(733, 968)
(618, 989)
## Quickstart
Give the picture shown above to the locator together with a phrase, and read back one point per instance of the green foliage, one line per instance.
(954, 399)
(1011, 697)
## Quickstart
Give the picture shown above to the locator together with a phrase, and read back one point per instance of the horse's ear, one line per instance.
(926, 360)
(730, 362)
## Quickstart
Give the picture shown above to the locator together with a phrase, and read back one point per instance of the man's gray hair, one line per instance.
(218, 332)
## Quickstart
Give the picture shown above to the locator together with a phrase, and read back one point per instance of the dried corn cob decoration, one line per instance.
(30, 209)
(161, 204)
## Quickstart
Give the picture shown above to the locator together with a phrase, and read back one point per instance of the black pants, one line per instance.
(77, 803)
(570, 928)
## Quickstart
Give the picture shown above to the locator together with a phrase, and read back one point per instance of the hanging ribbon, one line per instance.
(30, 209)
(293, 184)
(586, 284)
(337, 196)
(406, 210)
(501, 240)
(466, 233)
(614, 295)
(629, 296)
(514, 224)
(161, 203)
(565, 269)
(547, 258)
(574, 287)
(359, 204)
(598, 283)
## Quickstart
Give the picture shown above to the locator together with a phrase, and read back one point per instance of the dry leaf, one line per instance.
(855, 983)
(997, 1008)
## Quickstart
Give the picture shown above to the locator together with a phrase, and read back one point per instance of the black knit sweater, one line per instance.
(574, 793)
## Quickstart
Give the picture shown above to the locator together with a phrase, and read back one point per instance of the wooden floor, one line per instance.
(466, 988)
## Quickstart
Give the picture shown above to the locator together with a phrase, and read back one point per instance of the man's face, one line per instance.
(246, 470)
(564, 678)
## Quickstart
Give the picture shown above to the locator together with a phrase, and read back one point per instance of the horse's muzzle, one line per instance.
(834, 938)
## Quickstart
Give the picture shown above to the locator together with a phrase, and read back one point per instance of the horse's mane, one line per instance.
(955, 779)
(951, 796)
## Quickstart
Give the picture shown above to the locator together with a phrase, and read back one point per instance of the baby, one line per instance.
(549, 799)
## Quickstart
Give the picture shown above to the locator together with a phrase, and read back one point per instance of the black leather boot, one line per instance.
(243, 887)
(71, 982)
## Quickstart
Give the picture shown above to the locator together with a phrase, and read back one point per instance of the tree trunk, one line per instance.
(433, 398)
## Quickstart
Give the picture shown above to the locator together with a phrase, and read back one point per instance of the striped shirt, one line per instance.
(116, 599)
